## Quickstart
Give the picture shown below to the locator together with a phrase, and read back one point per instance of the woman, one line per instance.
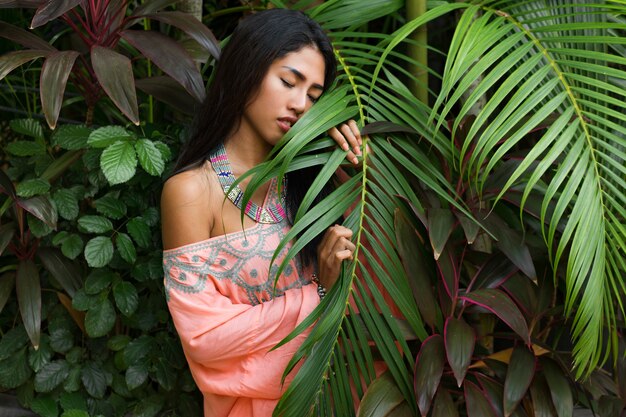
(219, 285)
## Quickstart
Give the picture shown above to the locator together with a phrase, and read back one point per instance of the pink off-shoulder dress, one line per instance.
(220, 293)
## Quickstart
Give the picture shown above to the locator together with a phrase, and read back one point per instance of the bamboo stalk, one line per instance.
(418, 52)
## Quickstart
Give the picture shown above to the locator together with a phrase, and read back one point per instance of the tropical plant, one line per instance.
(546, 83)
(100, 63)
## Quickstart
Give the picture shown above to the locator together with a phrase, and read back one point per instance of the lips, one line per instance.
(285, 123)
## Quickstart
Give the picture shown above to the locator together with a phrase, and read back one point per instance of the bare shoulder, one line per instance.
(186, 215)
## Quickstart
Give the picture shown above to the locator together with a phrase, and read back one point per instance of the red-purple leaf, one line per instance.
(24, 37)
(518, 377)
(192, 27)
(540, 394)
(418, 266)
(50, 10)
(476, 402)
(444, 405)
(40, 207)
(470, 226)
(381, 398)
(62, 269)
(502, 306)
(460, 340)
(115, 75)
(29, 299)
(10, 4)
(493, 392)
(172, 58)
(6, 234)
(385, 127)
(152, 6)
(54, 74)
(560, 390)
(428, 370)
(7, 282)
(167, 90)
(6, 185)
(440, 224)
(12, 60)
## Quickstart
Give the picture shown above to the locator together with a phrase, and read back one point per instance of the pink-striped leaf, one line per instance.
(172, 58)
(493, 391)
(28, 291)
(24, 37)
(502, 306)
(54, 74)
(52, 9)
(444, 405)
(12, 60)
(115, 75)
(428, 370)
(518, 378)
(476, 402)
(460, 340)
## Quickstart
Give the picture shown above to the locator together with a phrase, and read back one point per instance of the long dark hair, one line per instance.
(257, 41)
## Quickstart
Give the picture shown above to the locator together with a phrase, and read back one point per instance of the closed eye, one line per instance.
(286, 83)
(313, 99)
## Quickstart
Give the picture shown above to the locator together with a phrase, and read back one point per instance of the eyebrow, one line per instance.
(302, 77)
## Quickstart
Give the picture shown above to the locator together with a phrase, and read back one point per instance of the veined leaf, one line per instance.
(108, 135)
(149, 157)
(99, 251)
(71, 137)
(119, 162)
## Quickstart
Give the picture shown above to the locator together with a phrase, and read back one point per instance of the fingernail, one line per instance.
(345, 147)
(357, 150)
(355, 161)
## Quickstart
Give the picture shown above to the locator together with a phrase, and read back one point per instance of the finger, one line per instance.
(356, 131)
(343, 255)
(339, 138)
(348, 133)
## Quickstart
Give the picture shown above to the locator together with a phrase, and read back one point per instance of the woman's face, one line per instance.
(290, 87)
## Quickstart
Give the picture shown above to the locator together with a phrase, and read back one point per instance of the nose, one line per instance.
(298, 101)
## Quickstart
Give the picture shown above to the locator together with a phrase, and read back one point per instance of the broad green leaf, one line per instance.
(64, 271)
(381, 398)
(108, 135)
(94, 224)
(12, 341)
(72, 246)
(41, 208)
(459, 341)
(560, 390)
(32, 187)
(28, 291)
(126, 248)
(37, 228)
(100, 319)
(428, 371)
(126, 297)
(518, 378)
(54, 74)
(12, 60)
(165, 374)
(115, 75)
(149, 157)
(168, 55)
(81, 301)
(24, 37)
(136, 375)
(98, 280)
(50, 10)
(118, 342)
(51, 376)
(476, 403)
(418, 266)
(99, 251)
(502, 306)
(73, 401)
(72, 382)
(67, 203)
(15, 371)
(71, 137)
(61, 340)
(37, 358)
(118, 162)
(440, 224)
(28, 127)
(111, 207)
(25, 148)
(75, 413)
(45, 406)
(444, 406)
(7, 283)
(94, 380)
(140, 232)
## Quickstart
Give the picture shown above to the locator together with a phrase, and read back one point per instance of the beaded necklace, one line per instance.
(271, 213)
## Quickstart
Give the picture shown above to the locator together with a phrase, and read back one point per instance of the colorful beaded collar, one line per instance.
(270, 213)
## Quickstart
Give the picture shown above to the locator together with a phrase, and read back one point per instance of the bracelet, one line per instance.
(321, 291)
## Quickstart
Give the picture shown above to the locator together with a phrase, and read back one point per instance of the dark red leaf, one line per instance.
(518, 377)
(6, 234)
(40, 207)
(9, 4)
(476, 402)
(493, 392)
(167, 90)
(152, 6)
(12, 60)
(428, 370)
(24, 37)
(170, 57)
(7, 282)
(54, 74)
(50, 10)
(560, 390)
(460, 340)
(29, 299)
(444, 405)
(540, 394)
(440, 224)
(502, 306)
(195, 29)
(418, 266)
(115, 75)
(381, 398)
(62, 269)
(6, 185)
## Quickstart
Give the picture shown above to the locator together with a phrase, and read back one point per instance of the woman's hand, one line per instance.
(348, 137)
(334, 248)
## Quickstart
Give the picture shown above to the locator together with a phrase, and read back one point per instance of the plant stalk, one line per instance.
(418, 52)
